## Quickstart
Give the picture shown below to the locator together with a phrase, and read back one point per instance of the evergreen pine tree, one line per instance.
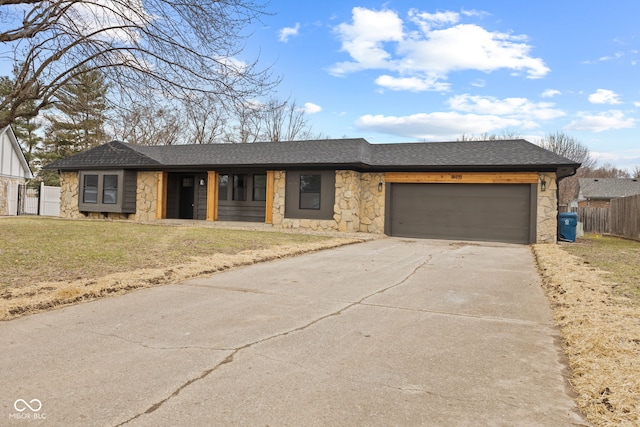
(25, 128)
(77, 123)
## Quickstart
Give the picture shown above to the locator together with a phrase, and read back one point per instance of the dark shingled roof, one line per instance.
(607, 188)
(466, 153)
(353, 153)
(112, 155)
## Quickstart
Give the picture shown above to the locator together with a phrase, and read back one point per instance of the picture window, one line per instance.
(110, 189)
(240, 187)
(259, 188)
(90, 192)
(310, 191)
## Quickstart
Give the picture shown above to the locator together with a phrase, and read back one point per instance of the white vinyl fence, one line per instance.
(49, 200)
(12, 199)
(44, 201)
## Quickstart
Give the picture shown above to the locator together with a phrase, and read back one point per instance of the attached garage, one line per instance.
(485, 212)
(477, 206)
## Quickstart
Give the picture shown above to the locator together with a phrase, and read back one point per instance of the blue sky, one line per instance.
(410, 70)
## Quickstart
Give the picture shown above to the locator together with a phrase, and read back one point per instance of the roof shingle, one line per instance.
(355, 153)
(607, 188)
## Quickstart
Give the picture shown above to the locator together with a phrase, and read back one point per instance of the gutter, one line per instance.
(558, 179)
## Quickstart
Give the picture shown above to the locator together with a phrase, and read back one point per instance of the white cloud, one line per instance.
(470, 47)
(520, 108)
(413, 84)
(609, 120)
(382, 40)
(472, 115)
(637, 103)
(474, 12)
(616, 55)
(311, 108)
(426, 20)
(625, 158)
(550, 93)
(604, 96)
(364, 39)
(288, 32)
(109, 20)
(438, 125)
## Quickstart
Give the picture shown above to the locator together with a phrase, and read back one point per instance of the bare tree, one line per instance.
(606, 171)
(505, 135)
(247, 123)
(148, 125)
(272, 121)
(154, 48)
(284, 121)
(569, 147)
(206, 120)
(572, 149)
(635, 173)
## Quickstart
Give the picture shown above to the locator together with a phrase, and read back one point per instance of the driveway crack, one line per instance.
(235, 351)
(152, 347)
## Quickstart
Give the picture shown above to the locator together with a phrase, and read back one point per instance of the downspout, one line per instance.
(558, 179)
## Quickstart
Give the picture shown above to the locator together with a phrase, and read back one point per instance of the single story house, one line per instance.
(503, 191)
(598, 192)
(14, 171)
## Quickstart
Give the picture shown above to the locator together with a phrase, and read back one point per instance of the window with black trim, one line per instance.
(223, 186)
(240, 187)
(90, 189)
(310, 186)
(259, 188)
(109, 189)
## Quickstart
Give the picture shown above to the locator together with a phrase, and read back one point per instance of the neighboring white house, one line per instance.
(14, 171)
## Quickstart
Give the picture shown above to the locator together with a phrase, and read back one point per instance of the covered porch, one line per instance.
(224, 195)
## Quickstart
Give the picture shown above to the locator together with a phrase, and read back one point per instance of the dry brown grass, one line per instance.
(48, 263)
(601, 332)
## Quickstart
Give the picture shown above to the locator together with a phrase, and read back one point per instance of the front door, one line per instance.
(187, 191)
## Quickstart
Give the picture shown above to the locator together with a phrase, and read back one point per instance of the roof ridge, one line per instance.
(134, 149)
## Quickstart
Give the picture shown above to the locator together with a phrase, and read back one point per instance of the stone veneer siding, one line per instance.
(146, 194)
(372, 203)
(547, 221)
(358, 205)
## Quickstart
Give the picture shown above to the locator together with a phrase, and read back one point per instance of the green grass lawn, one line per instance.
(36, 249)
(620, 257)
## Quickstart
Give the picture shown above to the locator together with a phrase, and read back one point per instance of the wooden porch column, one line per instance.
(268, 215)
(212, 196)
(161, 199)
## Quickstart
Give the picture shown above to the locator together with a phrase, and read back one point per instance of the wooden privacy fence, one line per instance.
(621, 219)
(595, 220)
(625, 217)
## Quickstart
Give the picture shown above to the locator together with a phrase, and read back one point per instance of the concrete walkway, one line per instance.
(388, 332)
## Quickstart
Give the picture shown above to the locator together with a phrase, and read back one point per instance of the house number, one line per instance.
(456, 176)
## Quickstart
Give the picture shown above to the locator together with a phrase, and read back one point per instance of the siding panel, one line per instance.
(482, 212)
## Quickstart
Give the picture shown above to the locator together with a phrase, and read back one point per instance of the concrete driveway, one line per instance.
(388, 332)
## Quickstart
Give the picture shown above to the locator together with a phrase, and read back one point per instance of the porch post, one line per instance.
(212, 196)
(268, 215)
(161, 199)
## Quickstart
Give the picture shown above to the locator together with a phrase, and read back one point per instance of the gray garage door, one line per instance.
(484, 212)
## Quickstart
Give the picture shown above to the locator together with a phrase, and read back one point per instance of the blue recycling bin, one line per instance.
(567, 223)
